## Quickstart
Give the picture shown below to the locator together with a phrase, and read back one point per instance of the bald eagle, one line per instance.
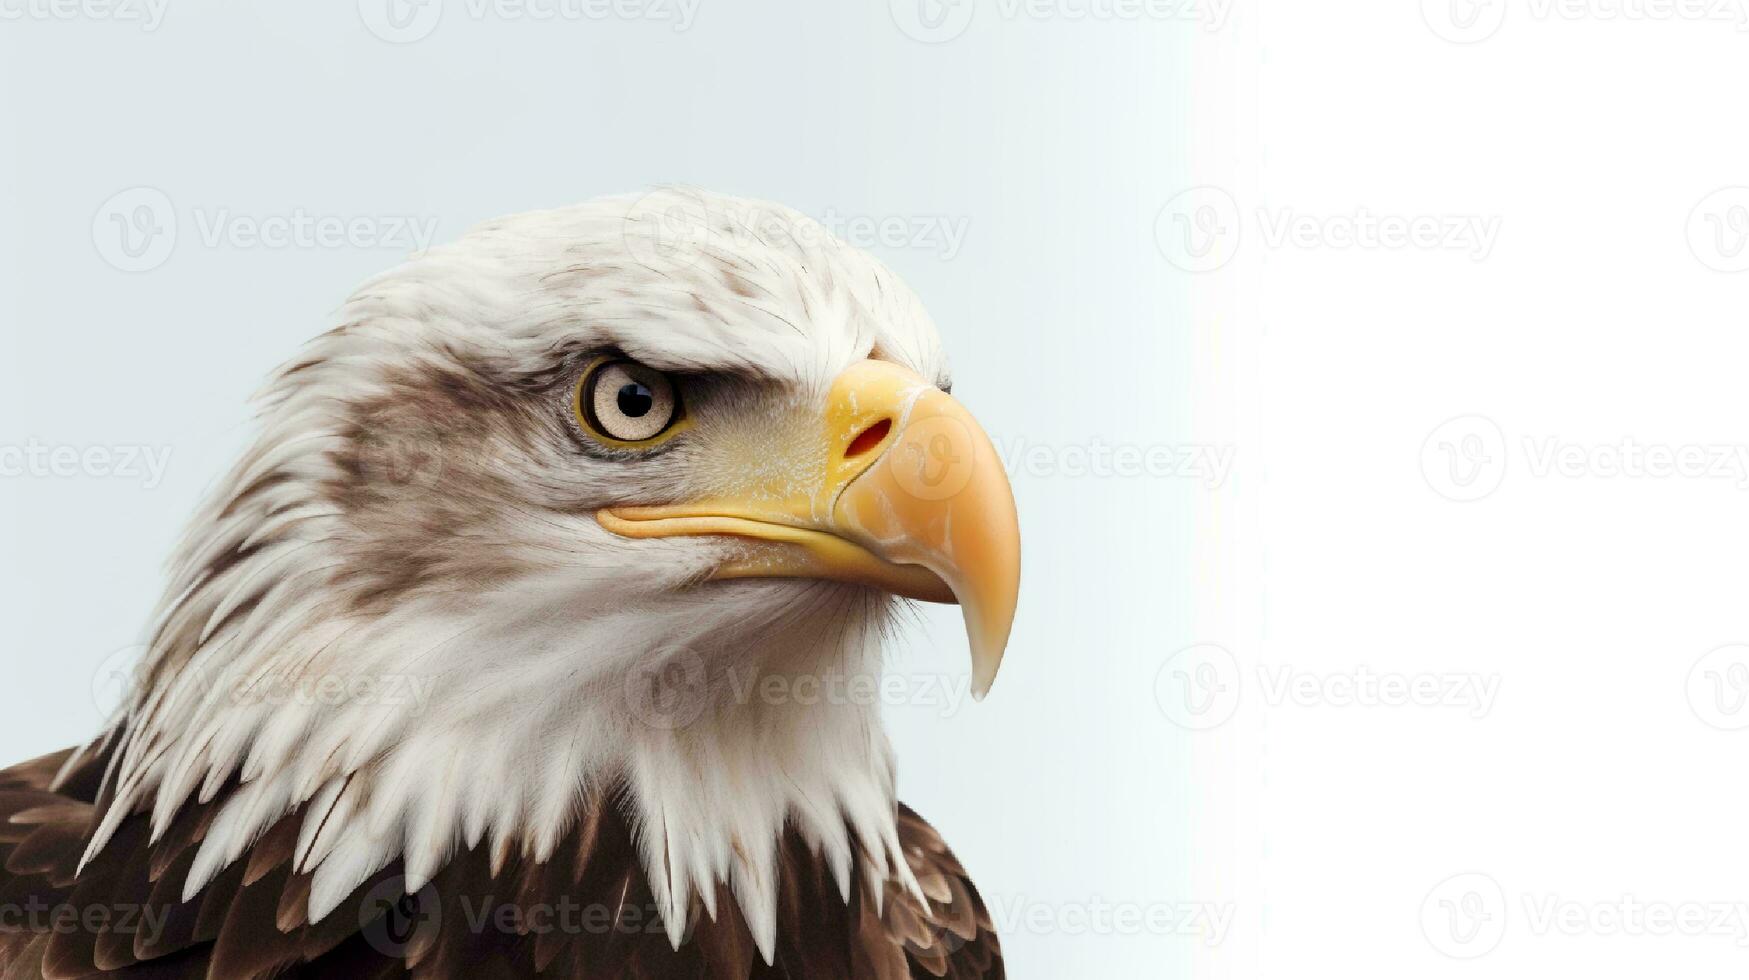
(524, 640)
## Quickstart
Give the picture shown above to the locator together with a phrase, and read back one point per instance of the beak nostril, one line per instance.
(868, 439)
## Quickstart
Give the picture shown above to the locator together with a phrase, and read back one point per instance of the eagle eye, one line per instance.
(623, 402)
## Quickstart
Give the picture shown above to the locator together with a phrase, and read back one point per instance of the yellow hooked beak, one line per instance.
(905, 493)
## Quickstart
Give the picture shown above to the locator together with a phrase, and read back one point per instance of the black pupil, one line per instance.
(636, 400)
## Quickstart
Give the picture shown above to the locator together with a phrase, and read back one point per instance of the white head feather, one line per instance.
(399, 611)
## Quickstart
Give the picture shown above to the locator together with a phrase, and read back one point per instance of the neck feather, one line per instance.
(455, 725)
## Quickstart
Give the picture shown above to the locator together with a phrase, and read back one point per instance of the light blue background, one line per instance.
(1056, 141)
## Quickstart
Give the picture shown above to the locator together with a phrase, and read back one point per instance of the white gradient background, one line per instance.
(1080, 804)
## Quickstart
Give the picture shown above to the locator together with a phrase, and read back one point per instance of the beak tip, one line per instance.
(986, 663)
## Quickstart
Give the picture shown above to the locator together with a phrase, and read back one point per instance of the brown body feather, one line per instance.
(589, 912)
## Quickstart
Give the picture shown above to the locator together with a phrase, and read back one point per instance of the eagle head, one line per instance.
(557, 513)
